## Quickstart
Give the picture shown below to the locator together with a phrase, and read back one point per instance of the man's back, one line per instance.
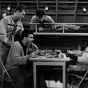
(16, 56)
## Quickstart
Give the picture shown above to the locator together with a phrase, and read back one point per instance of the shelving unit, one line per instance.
(62, 11)
(66, 9)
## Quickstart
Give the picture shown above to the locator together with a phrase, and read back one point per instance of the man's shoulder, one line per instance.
(47, 16)
(7, 17)
(34, 19)
(34, 16)
(16, 44)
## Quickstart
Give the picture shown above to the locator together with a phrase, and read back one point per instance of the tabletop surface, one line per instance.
(43, 58)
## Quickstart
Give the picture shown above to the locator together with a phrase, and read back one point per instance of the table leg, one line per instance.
(34, 73)
(64, 75)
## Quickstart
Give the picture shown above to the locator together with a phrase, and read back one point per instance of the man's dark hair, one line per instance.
(25, 33)
(2, 12)
(40, 12)
(17, 35)
(19, 8)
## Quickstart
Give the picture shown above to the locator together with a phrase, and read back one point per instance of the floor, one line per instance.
(53, 85)
(50, 84)
(6, 85)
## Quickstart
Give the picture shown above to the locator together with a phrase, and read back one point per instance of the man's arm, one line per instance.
(51, 21)
(33, 20)
(3, 32)
(19, 26)
(83, 58)
(3, 29)
(17, 55)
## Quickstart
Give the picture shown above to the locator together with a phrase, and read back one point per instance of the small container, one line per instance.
(62, 55)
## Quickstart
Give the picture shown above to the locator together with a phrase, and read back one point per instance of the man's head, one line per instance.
(40, 13)
(19, 12)
(27, 37)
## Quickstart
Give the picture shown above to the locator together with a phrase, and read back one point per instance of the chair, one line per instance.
(82, 78)
(4, 71)
(5, 74)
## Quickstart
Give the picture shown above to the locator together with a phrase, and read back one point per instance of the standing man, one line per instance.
(41, 18)
(8, 27)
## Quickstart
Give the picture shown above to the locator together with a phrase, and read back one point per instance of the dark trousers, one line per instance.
(20, 76)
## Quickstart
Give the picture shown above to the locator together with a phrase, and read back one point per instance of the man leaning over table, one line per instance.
(18, 63)
(18, 58)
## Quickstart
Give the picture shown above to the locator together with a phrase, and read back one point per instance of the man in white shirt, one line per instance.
(81, 58)
(8, 27)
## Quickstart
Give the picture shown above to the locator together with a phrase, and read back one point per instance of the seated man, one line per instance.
(18, 55)
(41, 18)
(78, 62)
(81, 57)
(82, 61)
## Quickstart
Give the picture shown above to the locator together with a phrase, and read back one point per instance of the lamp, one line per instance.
(84, 9)
(46, 8)
(9, 8)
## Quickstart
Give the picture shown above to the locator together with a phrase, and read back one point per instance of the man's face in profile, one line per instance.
(21, 15)
(30, 38)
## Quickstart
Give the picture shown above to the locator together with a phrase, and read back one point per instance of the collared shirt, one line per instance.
(8, 25)
(17, 55)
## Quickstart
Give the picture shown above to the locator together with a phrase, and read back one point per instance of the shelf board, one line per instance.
(83, 14)
(30, 13)
(50, 7)
(65, 13)
(84, 2)
(47, 2)
(51, 13)
(46, 13)
(62, 34)
(8, 2)
(27, 2)
(67, 2)
(67, 8)
(81, 7)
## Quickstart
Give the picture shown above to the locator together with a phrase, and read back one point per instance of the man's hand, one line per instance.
(70, 52)
(32, 55)
(40, 29)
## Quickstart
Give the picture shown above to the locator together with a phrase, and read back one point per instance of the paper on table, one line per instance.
(44, 57)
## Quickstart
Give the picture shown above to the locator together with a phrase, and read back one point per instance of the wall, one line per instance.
(62, 11)
(58, 42)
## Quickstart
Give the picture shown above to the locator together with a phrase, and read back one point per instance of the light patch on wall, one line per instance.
(84, 9)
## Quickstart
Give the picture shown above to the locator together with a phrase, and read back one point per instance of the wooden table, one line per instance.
(42, 60)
